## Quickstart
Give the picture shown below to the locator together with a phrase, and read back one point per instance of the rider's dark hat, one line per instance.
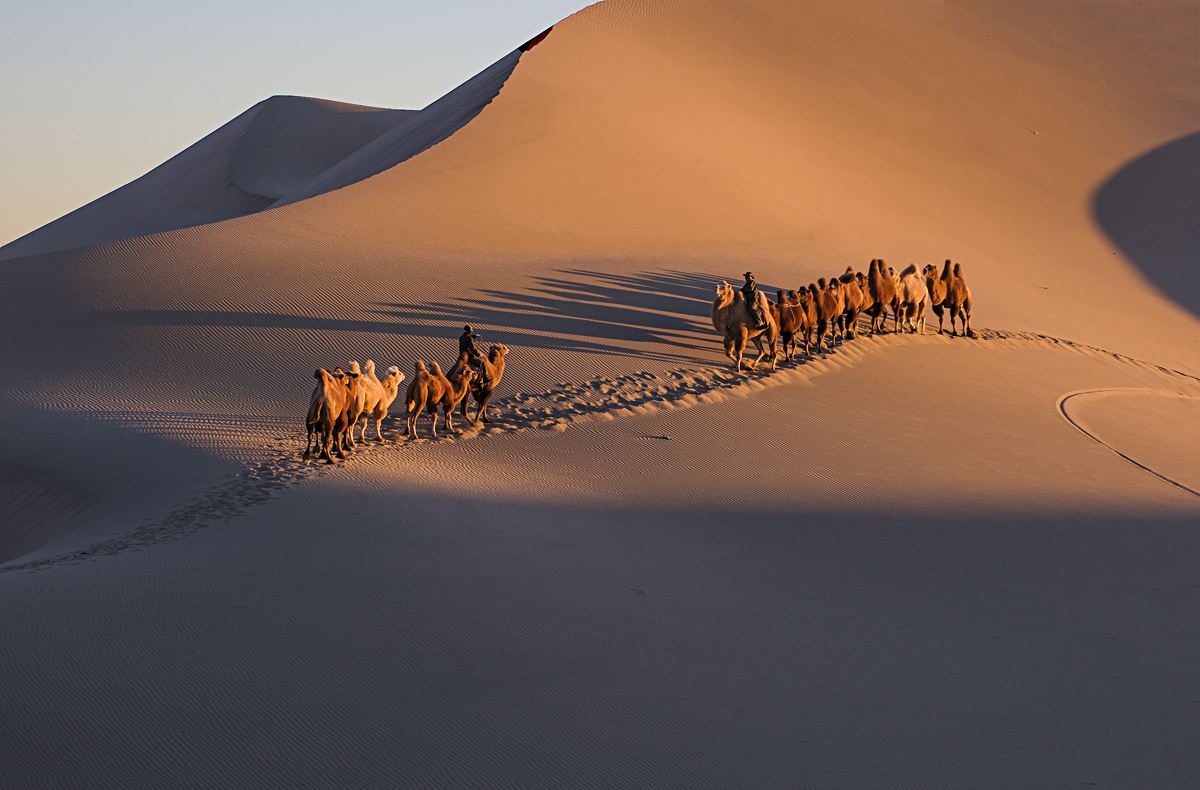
(748, 274)
(467, 328)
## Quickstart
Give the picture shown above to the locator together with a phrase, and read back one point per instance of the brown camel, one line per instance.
(494, 365)
(797, 318)
(883, 293)
(829, 310)
(731, 317)
(912, 298)
(854, 302)
(868, 301)
(325, 408)
(457, 385)
(425, 392)
(937, 292)
(380, 395)
(958, 300)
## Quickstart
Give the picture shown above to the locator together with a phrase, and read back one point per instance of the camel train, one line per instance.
(344, 398)
(830, 309)
(818, 316)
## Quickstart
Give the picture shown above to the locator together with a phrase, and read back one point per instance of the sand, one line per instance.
(913, 562)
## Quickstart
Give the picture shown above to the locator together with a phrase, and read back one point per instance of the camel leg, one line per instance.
(967, 330)
(449, 411)
(378, 425)
(953, 317)
(483, 404)
(308, 444)
(327, 444)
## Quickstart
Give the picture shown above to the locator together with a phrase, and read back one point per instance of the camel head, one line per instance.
(339, 373)
(497, 352)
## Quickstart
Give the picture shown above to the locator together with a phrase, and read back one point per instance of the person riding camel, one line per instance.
(466, 345)
(750, 294)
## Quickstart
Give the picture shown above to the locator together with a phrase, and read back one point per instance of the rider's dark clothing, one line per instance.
(466, 345)
(750, 294)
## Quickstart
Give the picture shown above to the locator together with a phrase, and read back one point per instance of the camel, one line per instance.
(494, 363)
(352, 409)
(380, 395)
(854, 303)
(356, 403)
(325, 408)
(958, 300)
(883, 293)
(829, 310)
(868, 301)
(937, 292)
(911, 299)
(425, 393)
(731, 317)
(796, 316)
(457, 385)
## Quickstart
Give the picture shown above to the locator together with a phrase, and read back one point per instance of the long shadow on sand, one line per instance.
(1151, 209)
(574, 310)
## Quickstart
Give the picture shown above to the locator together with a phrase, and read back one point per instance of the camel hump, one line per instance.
(437, 369)
(369, 367)
(946, 269)
(821, 283)
(958, 270)
(420, 367)
(355, 368)
(319, 374)
(909, 269)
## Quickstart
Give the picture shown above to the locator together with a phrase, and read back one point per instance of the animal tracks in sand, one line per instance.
(558, 409)
(1156, 430)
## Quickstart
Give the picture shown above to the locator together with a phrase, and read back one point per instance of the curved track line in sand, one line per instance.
(598, 399)
(1066, 398)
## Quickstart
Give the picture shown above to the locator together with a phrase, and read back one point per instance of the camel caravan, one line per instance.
(818, 316)
(830, 310)
(346, 398)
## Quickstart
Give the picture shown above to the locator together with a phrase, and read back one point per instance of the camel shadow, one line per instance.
(657, 315)
(1150, 208)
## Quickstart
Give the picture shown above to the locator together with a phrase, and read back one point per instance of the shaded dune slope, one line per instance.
(241, 168)
(1150, 208)
(284, 149)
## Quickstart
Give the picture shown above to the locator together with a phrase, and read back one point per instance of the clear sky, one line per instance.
(96, 93)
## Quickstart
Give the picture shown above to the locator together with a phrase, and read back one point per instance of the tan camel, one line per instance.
(355, 403)
(494, 365)
(912, 297)
(380, 395)
(325, 407)
(731, 318)
(425, 392)
(883, 293)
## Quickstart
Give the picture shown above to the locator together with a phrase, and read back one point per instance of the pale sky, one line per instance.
(94, 94)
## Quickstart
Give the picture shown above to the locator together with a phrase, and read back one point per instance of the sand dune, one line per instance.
(242, 167)
(912, 562)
